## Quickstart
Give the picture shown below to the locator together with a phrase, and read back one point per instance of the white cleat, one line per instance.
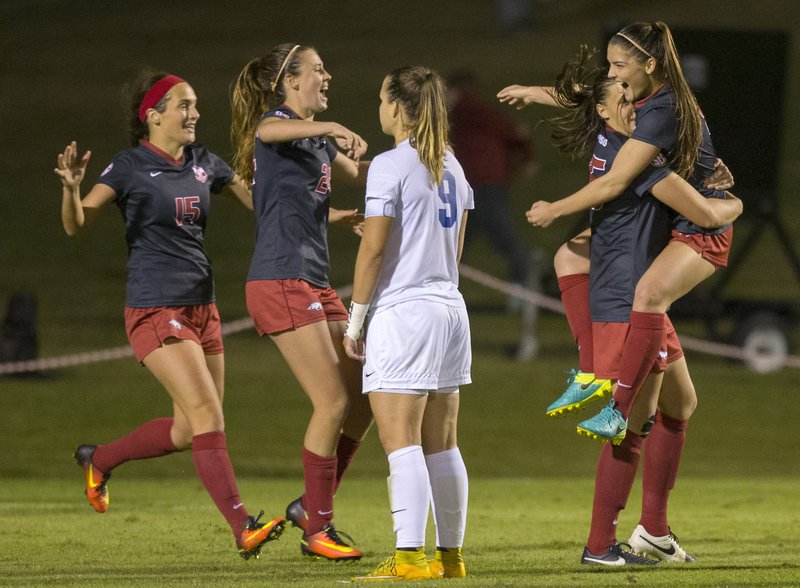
(665, 548)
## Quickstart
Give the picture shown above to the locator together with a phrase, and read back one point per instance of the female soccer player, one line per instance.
(417, 351)
(288, 158)
(627, 233)
(669, 128)
(162, 186)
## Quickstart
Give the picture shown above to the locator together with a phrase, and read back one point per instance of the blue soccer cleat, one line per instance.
(582, 388)
(607, 425)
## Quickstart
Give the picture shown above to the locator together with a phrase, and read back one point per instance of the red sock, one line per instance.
(320, 477)
(345, 451)
(644, 341)
(662, 458)
(152, 439)
(213, 465)
(575, 297)
(616, 471)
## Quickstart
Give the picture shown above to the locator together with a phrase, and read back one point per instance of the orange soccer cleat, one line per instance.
(96, 481)
(328, 544)
(255, 534)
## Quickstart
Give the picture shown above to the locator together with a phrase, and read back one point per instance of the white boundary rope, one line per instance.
(470, 273)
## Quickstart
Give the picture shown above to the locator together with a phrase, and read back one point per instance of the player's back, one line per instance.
(421, 254)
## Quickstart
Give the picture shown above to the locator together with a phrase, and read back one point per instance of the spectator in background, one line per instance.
(490, 147)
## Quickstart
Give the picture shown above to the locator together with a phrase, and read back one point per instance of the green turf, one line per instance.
(734, 507)
(521, 532)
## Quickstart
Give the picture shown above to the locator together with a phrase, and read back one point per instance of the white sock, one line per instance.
(409, 495)
(450, 491)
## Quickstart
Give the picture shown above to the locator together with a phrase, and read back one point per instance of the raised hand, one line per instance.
(72, 169)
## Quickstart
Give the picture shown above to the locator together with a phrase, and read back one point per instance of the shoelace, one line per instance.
(675, 539)
(572, 374)
(627, 554)
(252, 524)
(333, 535)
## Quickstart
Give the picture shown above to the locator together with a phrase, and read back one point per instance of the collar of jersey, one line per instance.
(646, 99)
(163, 154)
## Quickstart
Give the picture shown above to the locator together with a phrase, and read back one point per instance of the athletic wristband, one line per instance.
(358, 313)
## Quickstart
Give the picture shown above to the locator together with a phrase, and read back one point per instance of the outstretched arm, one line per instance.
(522, 96)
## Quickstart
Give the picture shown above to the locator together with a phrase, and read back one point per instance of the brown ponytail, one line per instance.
(421, 94)
(579, 88)
(646, 40)
(258, 84)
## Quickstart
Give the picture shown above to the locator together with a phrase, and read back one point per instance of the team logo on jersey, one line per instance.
(200, 174)
(597, 165)
(108, 169)
(315, 306)
(175, 324)
(281, 114)
(659, 161)
(601, 138)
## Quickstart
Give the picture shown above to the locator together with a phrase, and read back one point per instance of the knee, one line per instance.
(648, 296)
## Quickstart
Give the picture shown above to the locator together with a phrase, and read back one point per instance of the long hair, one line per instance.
(134, 93)
(644, 40)
(579, 88)
(421, 94)
(259, 84)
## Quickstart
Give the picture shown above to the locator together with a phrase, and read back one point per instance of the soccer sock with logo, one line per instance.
(450, 492)
(662, 458)
(320, 478)
(642, 344)
(345, 451)
(616, 471)
(409, 495)
(575, 297)
(152, 439)
(213, 465)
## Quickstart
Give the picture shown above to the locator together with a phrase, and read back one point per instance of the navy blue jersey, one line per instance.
(164, 204)
(657, 124)
(627, 235)
(291, 198)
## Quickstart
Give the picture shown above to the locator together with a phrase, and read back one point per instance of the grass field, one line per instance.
(735, 505)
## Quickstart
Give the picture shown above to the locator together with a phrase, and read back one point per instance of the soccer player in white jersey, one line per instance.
(417, 352)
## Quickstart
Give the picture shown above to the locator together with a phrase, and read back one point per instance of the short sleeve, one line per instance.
(657, 126)
(652, 175)
(117, 175)
(331, 149)
(383, 188)
(221, 173)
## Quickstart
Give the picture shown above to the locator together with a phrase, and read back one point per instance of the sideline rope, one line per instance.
(468, 272)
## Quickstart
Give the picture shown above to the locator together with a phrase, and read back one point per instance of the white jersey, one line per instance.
(420, 258)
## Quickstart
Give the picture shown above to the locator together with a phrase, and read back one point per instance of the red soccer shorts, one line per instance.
(283, 305)
(713, 248)
(609, 340)
(148, 328)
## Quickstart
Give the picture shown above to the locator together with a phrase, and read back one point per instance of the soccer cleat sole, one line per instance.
(594, 436)
(307, 553)
(579, 406)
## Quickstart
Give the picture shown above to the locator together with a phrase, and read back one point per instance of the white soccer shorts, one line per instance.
(417, 345)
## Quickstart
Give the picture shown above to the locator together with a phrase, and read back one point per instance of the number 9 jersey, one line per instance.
(421, 254)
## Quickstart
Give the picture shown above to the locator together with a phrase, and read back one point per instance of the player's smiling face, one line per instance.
(307, 93)
(617, 111)
(635, 76)
(179, 121)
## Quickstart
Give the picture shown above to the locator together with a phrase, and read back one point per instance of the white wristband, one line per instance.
(358, 314)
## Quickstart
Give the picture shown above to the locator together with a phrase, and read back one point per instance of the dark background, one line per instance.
(65, 63)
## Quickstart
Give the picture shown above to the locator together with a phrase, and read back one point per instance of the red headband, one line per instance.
(156, 93)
